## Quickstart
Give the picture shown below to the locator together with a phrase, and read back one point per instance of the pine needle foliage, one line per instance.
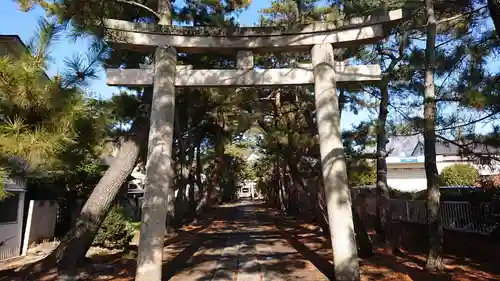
(39, 115)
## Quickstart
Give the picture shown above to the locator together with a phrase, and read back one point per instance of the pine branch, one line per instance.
(405, 116)
(468, 123)
(453, 39)
(451, 71)
(80, 69)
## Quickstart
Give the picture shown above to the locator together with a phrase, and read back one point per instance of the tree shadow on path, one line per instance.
(407, 267)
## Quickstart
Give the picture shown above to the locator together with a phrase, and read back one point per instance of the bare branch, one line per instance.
(465, 147)
(461, 15)
(453, 39)
(405, 116)
(140, 6)
(468, 123)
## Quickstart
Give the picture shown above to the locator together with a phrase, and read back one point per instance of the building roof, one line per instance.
(446, 148)
(14, 42)
(15, 185)
(16, 46)
(405, 146)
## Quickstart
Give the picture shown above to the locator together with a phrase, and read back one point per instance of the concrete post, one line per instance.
(159, 171)
(27, 231)
(244, 60)
(337, 193)
(20, 216)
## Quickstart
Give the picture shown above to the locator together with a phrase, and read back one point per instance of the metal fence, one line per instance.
(481, 217)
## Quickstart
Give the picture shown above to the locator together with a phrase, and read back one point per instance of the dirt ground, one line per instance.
(285, 249)
(407, 266)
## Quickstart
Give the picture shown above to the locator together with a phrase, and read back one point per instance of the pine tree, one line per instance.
(494, 7)
(82, 16)
(435, 257)
(40, 116)
(76, 242)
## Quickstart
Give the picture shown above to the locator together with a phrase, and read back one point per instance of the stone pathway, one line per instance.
(240, 242)
(237, 242)
(245, 245)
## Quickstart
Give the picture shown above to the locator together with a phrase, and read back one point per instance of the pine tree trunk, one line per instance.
(71, 251)
(279, 181)
(434, 258)
(170, 215)
(494, 7)
(191, 170)
(323, 214)
(73, 247)
(363, 240)
(204, 191)
(383, 200)
(192, 200)
(184, 163)
(165, 12)
(282, 200)
(285, 186)
(219, 169)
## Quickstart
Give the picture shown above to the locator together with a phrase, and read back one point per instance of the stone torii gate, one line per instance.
(320, 39)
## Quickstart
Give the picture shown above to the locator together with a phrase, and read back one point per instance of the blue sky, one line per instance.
(15, 22)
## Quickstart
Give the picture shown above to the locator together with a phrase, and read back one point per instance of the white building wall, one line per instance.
(41, 222)
(252, 190)
(406, 177)
(11, 232)
(411, 177)
(11, 247)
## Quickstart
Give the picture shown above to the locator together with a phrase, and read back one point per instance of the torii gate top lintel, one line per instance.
(142, 36)
(245, 42)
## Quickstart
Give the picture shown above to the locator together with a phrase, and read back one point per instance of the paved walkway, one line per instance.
(243, 244)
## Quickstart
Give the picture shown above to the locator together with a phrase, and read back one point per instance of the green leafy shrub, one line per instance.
(361, 173)
(3, 176)
(403, 195)
(460, 174)
(115, 231)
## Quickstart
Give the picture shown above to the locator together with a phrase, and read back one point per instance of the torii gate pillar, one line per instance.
(333, 164)
(159, 171)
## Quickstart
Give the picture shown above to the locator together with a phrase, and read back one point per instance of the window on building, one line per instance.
(482, 160)
(245, 190)
(8, 208)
